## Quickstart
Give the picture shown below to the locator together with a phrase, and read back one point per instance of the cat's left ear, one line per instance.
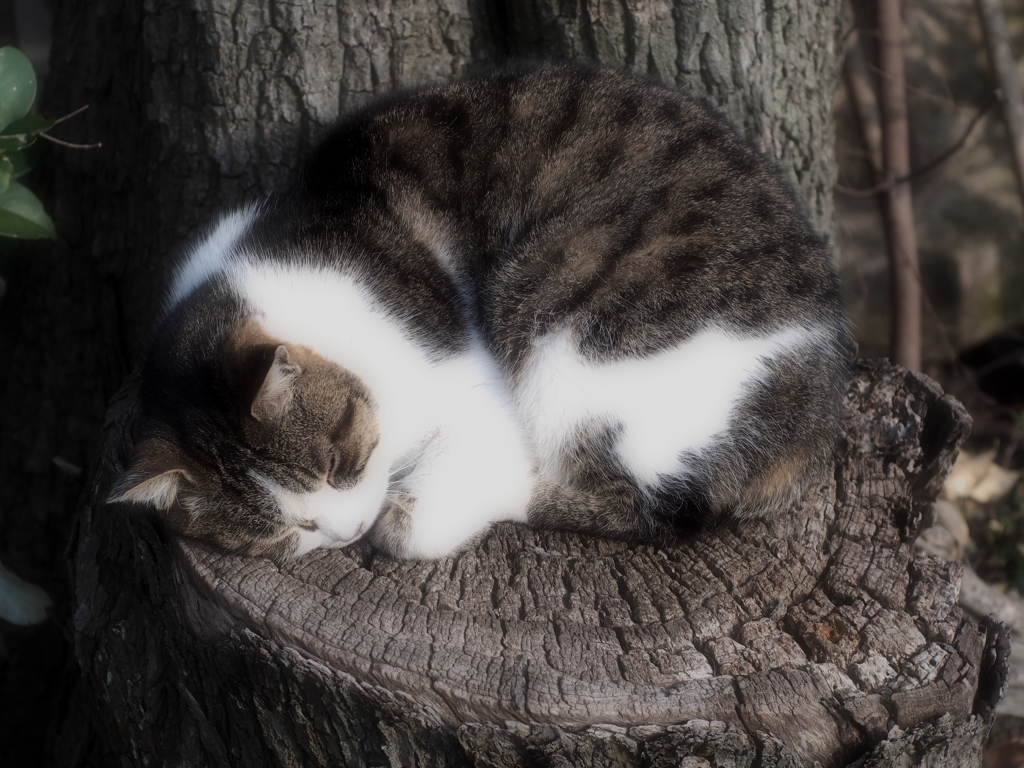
(154, 476)
(278, 388)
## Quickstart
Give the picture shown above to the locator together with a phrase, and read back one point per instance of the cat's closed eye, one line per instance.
(345, 469)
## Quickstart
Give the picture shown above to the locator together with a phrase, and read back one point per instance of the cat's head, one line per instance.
(271, 454)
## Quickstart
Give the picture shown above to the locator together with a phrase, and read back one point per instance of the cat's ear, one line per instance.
(154, 476)
(278, 388)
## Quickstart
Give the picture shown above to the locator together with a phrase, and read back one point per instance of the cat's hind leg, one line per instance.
(557, 506)
(591, 492)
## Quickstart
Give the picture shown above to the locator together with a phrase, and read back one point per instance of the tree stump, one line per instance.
(817, 638)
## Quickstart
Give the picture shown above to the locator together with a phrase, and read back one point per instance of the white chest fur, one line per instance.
(474, 464)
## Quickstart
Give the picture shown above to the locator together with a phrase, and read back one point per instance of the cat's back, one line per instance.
(545, 192)
(567, 265)
(645, 277)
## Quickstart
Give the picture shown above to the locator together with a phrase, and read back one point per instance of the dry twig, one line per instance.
(997, 40)
(899, 218)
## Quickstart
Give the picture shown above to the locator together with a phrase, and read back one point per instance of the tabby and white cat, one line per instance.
(563, 296)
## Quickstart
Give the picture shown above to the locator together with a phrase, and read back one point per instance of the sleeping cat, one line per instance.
(562, 295)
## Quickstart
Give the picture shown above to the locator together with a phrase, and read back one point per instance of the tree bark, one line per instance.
(193, 659)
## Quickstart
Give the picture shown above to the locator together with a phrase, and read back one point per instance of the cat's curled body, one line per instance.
(561, 295)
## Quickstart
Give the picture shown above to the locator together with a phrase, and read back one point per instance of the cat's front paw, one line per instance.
(414, 529)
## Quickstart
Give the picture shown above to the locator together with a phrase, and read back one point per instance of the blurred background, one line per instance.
(968, 218)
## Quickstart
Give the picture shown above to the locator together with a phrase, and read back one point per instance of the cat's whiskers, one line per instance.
(401, 468)
(397, 501)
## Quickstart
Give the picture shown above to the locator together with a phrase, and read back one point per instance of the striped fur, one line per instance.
(562, 295)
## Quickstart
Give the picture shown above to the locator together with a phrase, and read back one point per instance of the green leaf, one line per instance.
(28, 124)
(22, 215)
(16, 142)
(20, 162)
(20, 602)
(17, 85)
(6, 172)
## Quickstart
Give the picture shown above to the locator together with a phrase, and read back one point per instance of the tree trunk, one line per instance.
(203, 105)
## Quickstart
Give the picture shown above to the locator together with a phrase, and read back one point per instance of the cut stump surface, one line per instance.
(819, 636)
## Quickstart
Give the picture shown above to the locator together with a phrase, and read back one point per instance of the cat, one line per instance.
(561, 295)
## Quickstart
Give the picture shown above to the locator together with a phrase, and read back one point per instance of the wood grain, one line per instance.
(820, 635)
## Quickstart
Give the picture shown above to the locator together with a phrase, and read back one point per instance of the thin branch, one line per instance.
(864, 102)
(904, 268)
(997, 41)
(916, 90)
(69, 144)
(931, 165)
(63, 143)
(69, 115)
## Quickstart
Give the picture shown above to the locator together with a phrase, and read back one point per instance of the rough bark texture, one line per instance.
(821, 636)
(585, 652)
